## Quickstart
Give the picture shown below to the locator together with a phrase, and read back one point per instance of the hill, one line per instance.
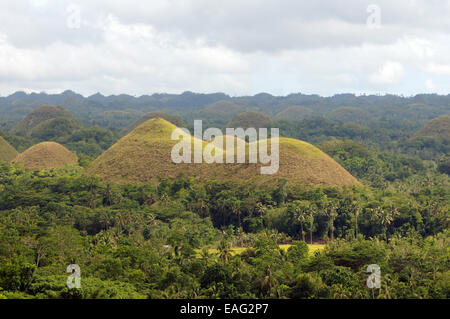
(56, 127)
(176, 120)
(438, 127)
(40, 115)
(349, 114)
(145, 155)
(46, 155)
(7, 152)
(293, 113)
(223, 108)
(250, 119)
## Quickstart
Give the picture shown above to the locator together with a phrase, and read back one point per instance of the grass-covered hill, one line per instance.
(46, 155)
(7, 152)
(438, 127)
(221, 111)
(145, 154)
(223, 108)
(250, 119)
(176, 120)
(293, 113)
(46, 120)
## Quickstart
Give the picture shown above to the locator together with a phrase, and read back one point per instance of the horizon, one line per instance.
(86, 96)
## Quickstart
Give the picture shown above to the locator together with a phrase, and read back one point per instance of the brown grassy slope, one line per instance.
(438, 127)
(7, 152)
(145, 155)
(46, 155)
(293, 113)
(174, 119)
(39, 115)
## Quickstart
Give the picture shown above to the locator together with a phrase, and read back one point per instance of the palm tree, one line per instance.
(355, 212)
(222, 202)
(267, 282)
(301, 209)
(330, 210)
(375, 215)
(387, 216)
(259, 209)
(311, 223)
(207, 256)
(224, 251)
(236, 205)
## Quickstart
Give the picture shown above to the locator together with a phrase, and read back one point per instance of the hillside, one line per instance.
(249, 119)
(145, 154)
(293, 113)
(56, 127)
(46, 155)
(438, 127)
(223, 108)
(7, 152)
(40, 115)
(349, 114)
(176, 120)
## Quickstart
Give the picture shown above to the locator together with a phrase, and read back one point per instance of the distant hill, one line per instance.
(7, 152)
(144, 155)
(405, 113)
(223, 108)
(53, 128)
(46, 155)
(250, 119)
(438, 127)
(349, 114)
(175, 120)
(293, 113)
(43, 118)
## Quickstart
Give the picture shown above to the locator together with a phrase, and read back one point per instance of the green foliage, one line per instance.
(16, 274)
(190, 238)
(297, 251)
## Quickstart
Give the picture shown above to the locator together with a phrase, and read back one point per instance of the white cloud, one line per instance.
(238, 47)
(389, 73)
(434, 68)
(429, 85)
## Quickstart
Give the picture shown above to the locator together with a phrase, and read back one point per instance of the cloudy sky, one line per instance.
(240, 47)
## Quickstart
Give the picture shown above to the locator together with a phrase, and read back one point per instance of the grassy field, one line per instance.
(239, 250)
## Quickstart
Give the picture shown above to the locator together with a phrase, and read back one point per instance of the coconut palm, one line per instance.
(224, 251)
(355, 211)
(207, 256)
(236, 206)
(301, 209)
(330, 210)
(387, 216)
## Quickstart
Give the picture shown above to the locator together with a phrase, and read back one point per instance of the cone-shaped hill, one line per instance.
(222, 108)
(174, 119)
(250, 119)
(145, 155)
(46, 155)
(7, 152)
(42, 119)
(438, 127)
(293, 113)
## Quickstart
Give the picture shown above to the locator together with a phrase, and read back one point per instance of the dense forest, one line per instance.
(191, 238)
